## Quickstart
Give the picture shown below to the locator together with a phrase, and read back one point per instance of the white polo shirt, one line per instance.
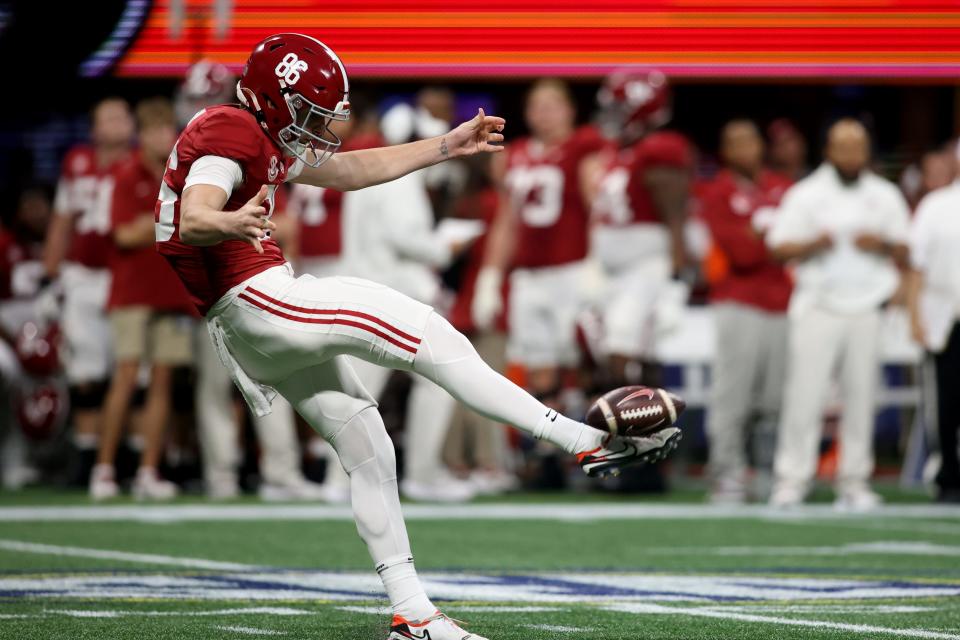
(842, 279)
(935, 252)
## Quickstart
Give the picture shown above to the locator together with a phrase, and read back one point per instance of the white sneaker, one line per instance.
(618, 452)
(857, 500)
(786, 497)
(728, 491)
(493, 483)
(222, 490)
(103, 486)
(291, 490)
(148, 485)
(436, 627)
(444, 488)
(335, 493)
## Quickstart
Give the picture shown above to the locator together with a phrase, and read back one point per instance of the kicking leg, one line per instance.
(447, 358)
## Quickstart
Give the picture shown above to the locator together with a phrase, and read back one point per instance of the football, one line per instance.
(635, 411)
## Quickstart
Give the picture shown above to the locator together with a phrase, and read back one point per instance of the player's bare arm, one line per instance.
(56, 243)
(204, 223)
(500, 249)
(670, 190)
(352, 170)
(138, 233)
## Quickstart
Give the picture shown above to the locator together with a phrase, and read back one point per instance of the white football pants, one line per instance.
(218, 429)
(820, 340)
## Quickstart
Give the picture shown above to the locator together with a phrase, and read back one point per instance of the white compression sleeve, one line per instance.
(447, 358)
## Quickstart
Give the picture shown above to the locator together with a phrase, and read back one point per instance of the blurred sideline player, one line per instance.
(749, 310)
(541, 231)
(845, 229)
(149, 311)
(280, 334)
(475, 444)
(640, 191)
(210, 83)
(76, 255)
(388, 235)
(29, 355)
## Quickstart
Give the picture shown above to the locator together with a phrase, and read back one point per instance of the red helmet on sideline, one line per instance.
(633, 102)
(295, 85)
(41, 410)
(207, 83)
(38, 349)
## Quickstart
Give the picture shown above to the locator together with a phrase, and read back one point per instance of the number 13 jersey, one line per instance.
(543, 187)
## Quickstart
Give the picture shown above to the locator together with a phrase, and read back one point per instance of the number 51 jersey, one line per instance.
(543, 187)
(230, 132)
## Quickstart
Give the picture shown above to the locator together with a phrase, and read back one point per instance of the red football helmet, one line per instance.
(38, 349)
(41, 410)
(633, 102)
(207, 83)
(295, 85)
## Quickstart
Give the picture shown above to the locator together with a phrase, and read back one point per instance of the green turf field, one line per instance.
(529, 567)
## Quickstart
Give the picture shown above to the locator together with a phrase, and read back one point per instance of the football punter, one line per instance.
(281, 334)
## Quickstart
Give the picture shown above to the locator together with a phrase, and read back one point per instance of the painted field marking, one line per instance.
(557, 628)
(95, 613)
(565, 512)
(656, 609)
(882, 547)
(105, 554)
(469, 608)
(936, 528)
(250, 630)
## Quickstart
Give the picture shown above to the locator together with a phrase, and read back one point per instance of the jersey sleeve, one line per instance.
(225, 134)
(921, 233)
(732, 234)
(897, 228)
(217, 171)
(667, 149)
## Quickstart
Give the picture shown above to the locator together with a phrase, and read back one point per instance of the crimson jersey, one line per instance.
(734, 209)
(230, 132)
(141, 277)
(84, 190)
(543, 187)
(319, 210)
(623, 197)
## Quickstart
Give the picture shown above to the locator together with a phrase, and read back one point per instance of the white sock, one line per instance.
(406, 594)
(569, 435)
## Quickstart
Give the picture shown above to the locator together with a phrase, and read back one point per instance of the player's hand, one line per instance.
(487, 298)
(872, 243)
(821, 244)
(249, 223)
(479, 135)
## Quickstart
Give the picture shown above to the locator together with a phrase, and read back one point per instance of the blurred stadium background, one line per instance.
(253, 537)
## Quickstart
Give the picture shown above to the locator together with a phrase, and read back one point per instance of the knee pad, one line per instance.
(88, 395)
(363, 440)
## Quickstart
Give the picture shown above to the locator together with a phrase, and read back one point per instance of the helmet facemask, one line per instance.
(309, 137)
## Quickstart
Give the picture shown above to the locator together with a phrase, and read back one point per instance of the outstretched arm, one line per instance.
(354, 170)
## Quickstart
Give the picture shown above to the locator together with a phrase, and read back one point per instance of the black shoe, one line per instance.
(948, 496)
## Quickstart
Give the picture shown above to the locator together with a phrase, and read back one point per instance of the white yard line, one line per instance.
(569, 512)
(105, 554)
(110, 613)
(882, 547)
(657, 609)
(251, 631)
